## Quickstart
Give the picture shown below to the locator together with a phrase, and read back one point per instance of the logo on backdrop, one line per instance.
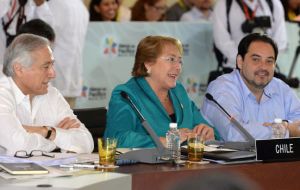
(114, 48)
(110, 47)
(94, 93)
(194, 87)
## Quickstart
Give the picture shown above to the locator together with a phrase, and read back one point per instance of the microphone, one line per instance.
(149, 155)
(125, 96)
(244, 132)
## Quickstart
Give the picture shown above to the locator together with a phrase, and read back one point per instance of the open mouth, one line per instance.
(174, 76)
(262, 73)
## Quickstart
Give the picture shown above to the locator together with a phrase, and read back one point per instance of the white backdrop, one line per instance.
(109, 56)
(110, 48)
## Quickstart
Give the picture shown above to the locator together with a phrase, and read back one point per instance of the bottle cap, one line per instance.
(173, 125)
(277, 120)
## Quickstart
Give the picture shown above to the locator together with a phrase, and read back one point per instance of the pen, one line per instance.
(87, 166)
(65, 166)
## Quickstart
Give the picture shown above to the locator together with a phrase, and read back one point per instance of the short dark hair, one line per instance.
(38, 27)
(254, 37)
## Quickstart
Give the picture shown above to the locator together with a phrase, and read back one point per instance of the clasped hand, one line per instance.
(66, 123)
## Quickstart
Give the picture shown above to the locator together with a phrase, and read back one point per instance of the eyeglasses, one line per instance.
(24, 154)
(172, 60)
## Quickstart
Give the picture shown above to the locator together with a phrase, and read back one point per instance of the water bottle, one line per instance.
(278, 129)
(173, 142)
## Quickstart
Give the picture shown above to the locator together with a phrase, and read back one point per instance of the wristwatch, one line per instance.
(49, 132)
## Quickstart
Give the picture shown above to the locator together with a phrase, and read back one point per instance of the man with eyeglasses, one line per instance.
(252, 95)
(33, 114)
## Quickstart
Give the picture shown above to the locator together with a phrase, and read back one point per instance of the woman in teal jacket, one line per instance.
(158, 96)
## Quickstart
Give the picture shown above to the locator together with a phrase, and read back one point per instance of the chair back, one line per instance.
(94, 120)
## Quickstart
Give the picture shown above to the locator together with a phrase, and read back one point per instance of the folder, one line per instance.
(23, 168)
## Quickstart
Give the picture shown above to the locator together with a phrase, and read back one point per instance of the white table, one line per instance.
(105, 180)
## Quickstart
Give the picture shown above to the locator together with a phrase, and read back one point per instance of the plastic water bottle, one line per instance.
(278, 129)
(173, 142)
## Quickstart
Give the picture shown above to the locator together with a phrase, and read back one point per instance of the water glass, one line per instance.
(107, 151)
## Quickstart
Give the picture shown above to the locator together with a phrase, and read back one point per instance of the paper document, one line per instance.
(59, 159)
(212, 148)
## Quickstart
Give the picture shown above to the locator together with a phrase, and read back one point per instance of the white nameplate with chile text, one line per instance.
(278, 149)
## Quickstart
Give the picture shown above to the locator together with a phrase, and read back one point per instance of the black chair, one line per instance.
(94, 120)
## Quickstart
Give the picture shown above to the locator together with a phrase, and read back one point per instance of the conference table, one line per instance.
(275, 175)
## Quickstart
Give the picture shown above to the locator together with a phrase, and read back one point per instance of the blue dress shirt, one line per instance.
(277, 101)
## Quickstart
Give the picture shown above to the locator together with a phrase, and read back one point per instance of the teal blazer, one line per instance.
(124, 124)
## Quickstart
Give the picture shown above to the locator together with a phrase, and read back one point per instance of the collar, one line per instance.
(199, 14)
(19, 96)
(269, 90)
(252, 4)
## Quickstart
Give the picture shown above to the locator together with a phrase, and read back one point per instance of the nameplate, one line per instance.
(278, 149)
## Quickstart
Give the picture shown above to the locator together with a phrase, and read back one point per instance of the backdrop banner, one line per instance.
(110, 48)
(109, 56)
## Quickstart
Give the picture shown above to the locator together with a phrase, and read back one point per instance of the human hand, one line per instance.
(294, 128)
(163, 141)
(68, 123)
(205, 131)
(284, 123)
(35, 129)
(184, 133)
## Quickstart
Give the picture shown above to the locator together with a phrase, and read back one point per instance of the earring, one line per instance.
(148, 71)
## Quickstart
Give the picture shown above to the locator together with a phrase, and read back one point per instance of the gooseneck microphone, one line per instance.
(125, 96)
(211, 98)
(243, 131)
(160, 147)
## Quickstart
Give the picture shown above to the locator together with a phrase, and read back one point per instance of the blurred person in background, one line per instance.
(103, 10)
(4, 6)
(149, 10)
(15, 13)
(201, 10)
(175, 12)
(38, 27)
(233, 21)
(291, 10)
(158, 95)
(71, 20)
(124, 13)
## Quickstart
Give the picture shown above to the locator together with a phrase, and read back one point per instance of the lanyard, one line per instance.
(246, 11)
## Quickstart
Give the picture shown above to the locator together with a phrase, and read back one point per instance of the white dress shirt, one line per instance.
(45, 110)
(228, 42)
(4, 6)
(195, 15)
(31, 12)
(71, 20)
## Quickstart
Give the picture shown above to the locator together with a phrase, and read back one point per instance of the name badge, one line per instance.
(278, 149)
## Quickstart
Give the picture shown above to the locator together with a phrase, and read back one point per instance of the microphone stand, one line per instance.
(249, 145)
(149, 155)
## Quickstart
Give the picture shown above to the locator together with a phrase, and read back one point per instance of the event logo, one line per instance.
(110, 46)
(94, 93)
(120, 49)
(194, 87)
